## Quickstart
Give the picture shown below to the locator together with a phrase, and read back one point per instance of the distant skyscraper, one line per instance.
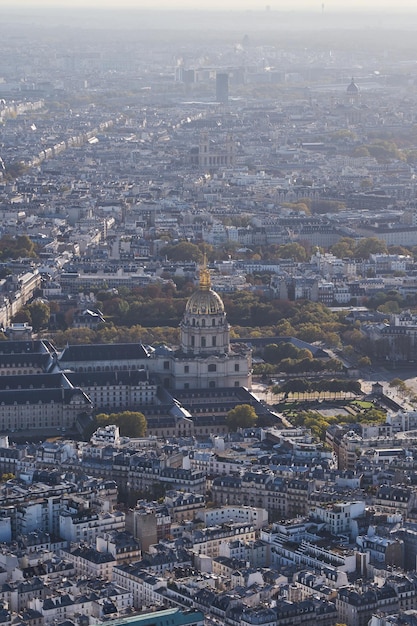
(222, 87)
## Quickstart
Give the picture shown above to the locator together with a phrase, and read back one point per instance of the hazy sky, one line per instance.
(312, 5)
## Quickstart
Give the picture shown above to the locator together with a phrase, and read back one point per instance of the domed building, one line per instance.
(206, 359)
(352, 92)
(204, 328)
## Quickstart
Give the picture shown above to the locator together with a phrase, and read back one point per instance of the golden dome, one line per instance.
(205, 302)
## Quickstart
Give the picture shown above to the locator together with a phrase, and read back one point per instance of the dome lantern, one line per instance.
(205, 279)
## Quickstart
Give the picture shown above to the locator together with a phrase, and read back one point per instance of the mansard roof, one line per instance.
(30, 359)
(104, 352)
(26, 347)
(103, 379)
(41, 396)
(34, 381)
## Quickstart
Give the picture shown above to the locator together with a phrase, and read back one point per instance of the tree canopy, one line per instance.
(16, 247)
(37, 314)
(319, 423)
(183, 251)
(130, 423)
(347, 247)
(242, 416)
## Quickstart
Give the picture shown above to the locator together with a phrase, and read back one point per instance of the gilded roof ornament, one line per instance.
(205, 301)
(205, 279)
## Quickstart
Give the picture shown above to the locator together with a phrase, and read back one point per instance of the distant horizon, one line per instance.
(307, 6)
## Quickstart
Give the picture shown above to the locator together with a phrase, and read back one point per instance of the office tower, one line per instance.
(222, 87)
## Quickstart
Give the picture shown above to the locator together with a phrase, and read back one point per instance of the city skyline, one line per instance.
(232, 5)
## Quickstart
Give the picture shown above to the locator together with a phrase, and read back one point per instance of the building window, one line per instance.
(212, 367)
(236, 383)
(166, 365)
(186, 385)
(213, 322)
(186, 369)
(192, 341)
(236, 367)
(203, 323)
(203, 342)
(213, 341)
(212, 384)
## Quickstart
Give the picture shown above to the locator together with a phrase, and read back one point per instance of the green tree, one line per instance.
(399, 384)
(274, 353)
(294, 251)
(25, 246)
(304, 353)
(364, 361)
(16, 247)
(75, 336)
(40, 314)
(5, 477)
(384, 151)
(390, 306)
(294, 386)
(370, 245)
(284, 329)
(372, 415)
(183, 251)
(354, 386)
(399, 250)
(130, 423)
(15, 169)
(360, 151)
(343, 133)
(242, 416)
(333, 365)
(310, 332)
(344, 248)
(22, 317)
(208, 250)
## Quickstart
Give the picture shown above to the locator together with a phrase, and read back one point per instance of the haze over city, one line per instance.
(208, 313)
(228, 5)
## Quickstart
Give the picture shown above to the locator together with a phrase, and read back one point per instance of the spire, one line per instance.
(205, 280)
